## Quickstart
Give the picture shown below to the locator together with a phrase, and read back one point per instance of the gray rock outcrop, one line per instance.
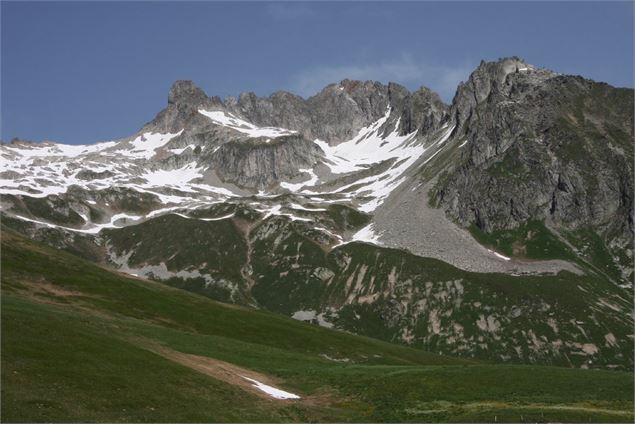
(542, 146)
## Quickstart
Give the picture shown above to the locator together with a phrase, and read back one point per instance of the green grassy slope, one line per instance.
(212, 248)
(392, 295)
(531, 241)
(78, 345)
(286, 267)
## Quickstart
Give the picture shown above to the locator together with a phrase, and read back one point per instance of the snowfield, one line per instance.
(139, 163)
(144, 146)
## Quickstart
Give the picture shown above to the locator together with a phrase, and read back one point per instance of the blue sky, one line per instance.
(81, 72)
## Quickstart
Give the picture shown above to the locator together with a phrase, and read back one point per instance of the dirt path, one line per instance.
(494, 407)
(221, 370)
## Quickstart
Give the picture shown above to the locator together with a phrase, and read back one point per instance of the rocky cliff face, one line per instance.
(333, 115)
(541, 146)
(184, 101)
(254, 163)
(281, 109)
(339, 111)
(422, 111)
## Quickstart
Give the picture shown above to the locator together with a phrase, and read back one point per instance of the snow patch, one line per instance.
(228, 120)
(93, 230)
(220, 218)
(271, 391)
(498, 255)
(366, 234)
(312, 315)
(303, 208)
(175, 177)
(296, 187)
(144, 146)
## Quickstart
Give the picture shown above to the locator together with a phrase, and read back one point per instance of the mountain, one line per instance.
(542, 146)
(497, 227)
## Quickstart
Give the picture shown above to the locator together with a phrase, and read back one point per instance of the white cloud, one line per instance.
(405, 70)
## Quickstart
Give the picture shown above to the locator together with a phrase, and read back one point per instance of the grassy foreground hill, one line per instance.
(81, 343)
(287, 267)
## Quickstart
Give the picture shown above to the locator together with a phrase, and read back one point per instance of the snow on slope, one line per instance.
(313, 179)
(366, 234)
(368, 148)
(116, 221)
(271, 391)
(177, 178)
(144, 146)
(48, 149)
(39, 170)
(228, 120)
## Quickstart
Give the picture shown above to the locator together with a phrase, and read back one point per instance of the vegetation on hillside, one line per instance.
(81, 343)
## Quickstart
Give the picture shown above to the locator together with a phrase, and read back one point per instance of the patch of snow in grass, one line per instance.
(277, 210)
(302, 208)
(311, 315)
(94, 230)
(220, 218)
(271, 391)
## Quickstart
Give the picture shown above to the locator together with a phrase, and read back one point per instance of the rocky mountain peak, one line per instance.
(184, 101)
(396, 92)
(422, 111)
(15, 141)
(358, 86)
(334, 115)
(427, 94)
(537, 142)
(490, 76)
(504, 78)
(499, 69)
(185, 91)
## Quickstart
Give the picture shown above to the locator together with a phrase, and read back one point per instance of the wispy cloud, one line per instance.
(404, 70)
